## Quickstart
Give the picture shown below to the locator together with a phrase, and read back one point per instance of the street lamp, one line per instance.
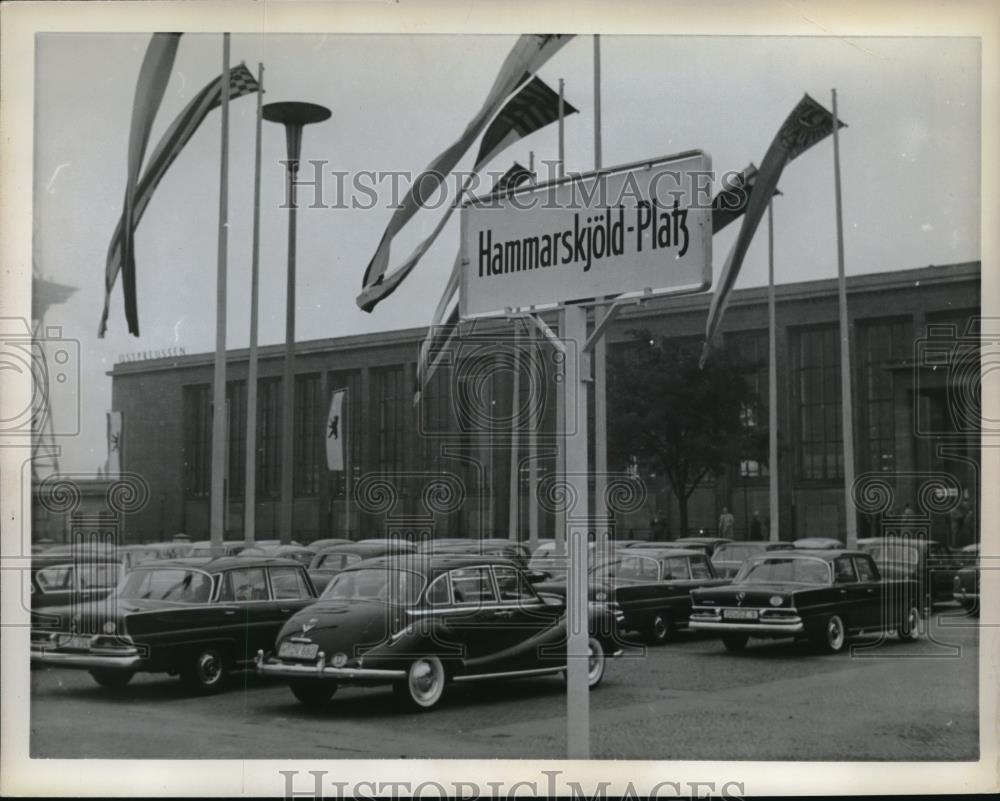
(294, 116)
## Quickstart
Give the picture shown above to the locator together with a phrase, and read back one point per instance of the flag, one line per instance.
(115, 443)
(512, 179)
(241, 82)
(731, 201)
(808, 123)
(149, 90)
(529, 53)
(336, 430)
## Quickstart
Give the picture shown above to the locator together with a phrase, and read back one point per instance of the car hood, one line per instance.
(343, 625)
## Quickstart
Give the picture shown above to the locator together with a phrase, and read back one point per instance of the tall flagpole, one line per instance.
(514, 498)
(217, 516)
(562, 143)
(846, 400)
(349, 474)
(600, 350)
(250, 489)
(772, 385)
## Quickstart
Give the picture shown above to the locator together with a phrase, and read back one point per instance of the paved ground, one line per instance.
(687, 700)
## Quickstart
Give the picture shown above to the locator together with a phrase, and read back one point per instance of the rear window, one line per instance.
(336, 561)
(170, 584)
(700, 568)
(736, 553)
(472, 585)
(288, 583)
(785, 569)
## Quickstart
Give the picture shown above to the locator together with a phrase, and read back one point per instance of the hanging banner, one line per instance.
(335, 431)
(114, 443)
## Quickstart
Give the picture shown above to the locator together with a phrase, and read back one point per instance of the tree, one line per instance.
(685, 422)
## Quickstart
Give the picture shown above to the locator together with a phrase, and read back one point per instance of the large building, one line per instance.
(445, 463)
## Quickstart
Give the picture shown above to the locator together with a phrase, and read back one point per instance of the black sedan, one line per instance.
(822, 595)
(927, 562)
(63, 578)
(330, 561)
(419, 622)
(199, 618)
(966, 582)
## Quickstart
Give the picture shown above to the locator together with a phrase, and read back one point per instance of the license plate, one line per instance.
(77, 642)
(298, 650)
(739, 614)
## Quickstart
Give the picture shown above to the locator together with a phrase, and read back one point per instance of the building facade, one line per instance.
(447, 463)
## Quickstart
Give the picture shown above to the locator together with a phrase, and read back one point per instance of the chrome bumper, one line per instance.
(781, 629)
(319, 670)
(83, 659)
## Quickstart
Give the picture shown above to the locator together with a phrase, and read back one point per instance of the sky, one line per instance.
(910, 163)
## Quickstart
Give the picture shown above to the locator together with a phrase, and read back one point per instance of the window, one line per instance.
(636, 567)
(512, 585)
(172, 584)
(700, 568)
(269, 437)
(794, 570)
(390, 419)
(288, 583)
(816, 382)
(437, 593)
(472, 585)
(844, 568)
(751, 348)
(236, 442)
(197, 440)
(675, 568)
(308, 426)
(337, 561)
(882, 344)
(245, 584)
(866, 569)
(100, 575)
(53, 579)
(396, 586)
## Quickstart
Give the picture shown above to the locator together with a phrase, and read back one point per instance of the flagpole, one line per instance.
(349, 477)
(217, 516)
(846, 401)
(562, 146)
(532, 462)
(600, 354)
(772, 386)
(514, 498)
(250, 491)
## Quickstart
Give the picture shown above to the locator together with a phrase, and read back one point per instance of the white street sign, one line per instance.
(644, 227)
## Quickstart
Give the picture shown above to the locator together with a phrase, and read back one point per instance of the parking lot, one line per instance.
(689, 700)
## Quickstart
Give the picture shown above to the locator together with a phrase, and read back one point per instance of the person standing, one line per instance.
(726, 523)
(756, 526)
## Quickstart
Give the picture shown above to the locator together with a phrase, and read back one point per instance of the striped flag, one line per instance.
(528, 55)
(808, 124)
(149, 89)
(241, 82)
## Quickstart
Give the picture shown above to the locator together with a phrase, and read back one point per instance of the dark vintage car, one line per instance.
(418, 622)
(508, 549)
(61, 579)
(199, 618)
(330, 561)
(966, 583)
(928, 562)
(651, 586)
(823, 595)
(730, 556)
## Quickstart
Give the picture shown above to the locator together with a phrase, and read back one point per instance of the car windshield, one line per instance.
(784, 569)
(883, 554)
(167, 584)
(376, 583)
(736, 553)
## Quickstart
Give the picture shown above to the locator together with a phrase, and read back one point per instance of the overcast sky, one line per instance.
(910, 167)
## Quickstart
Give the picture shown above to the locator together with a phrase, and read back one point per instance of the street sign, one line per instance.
(635, 229)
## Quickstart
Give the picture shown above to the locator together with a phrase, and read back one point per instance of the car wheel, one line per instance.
(206, 672)
(424, 684)
(660, 629)
(909, 629)
(596, 661)
(831, 637)
(735, 642)
(313, 692)
(112, 679)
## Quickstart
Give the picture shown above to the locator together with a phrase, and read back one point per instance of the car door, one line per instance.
(873, 602)
(851, 601)
(247, 616)
(519, 622)
(472, 617)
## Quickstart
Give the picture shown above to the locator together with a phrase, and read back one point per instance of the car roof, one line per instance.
(827, 554)
(45, 559)
(704, 539)
(431, 562)
(917, 541)
(211, 565)
(659, 550)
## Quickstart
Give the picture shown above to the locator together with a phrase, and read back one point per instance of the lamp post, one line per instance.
(294, 116)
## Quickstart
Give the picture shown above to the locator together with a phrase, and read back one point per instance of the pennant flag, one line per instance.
(808, 123)
(732, 200)
(114, 443)
(336, 429)
(528, 55)
(149, 90)
(241, 82)
(512, 179)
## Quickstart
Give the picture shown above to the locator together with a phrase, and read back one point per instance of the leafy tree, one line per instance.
(686, 422)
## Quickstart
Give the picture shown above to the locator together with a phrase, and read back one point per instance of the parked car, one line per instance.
(652, 587)
(730, 556)
(330, 561)
(966, 582)
(708, 544)
(319, 545)
(198, 618)
(203, 548)
(549, 560)
(299, 553)
(421, 621)
(825, 595)
(508, 549)
(928, 562)
(818, 543)
(134, 555)
(62, 579)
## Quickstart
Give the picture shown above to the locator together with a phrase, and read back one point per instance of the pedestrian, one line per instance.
(726, 523)
(756, 526)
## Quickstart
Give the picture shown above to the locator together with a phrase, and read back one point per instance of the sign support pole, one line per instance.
(574, 332)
